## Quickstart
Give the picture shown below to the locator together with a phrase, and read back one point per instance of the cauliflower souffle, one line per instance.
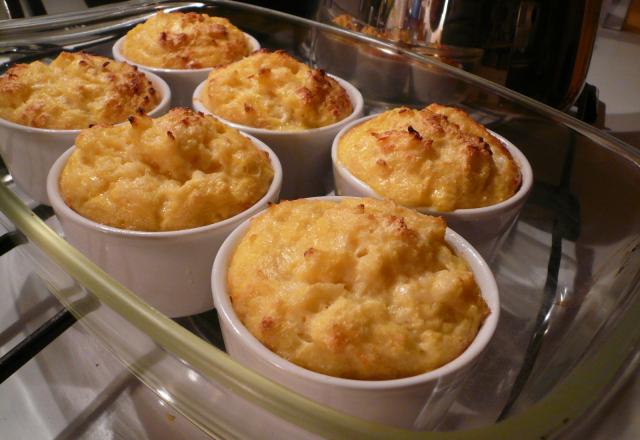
(185, 41)
(179, 171)
(74, 91)
(359, 289)
(275, 91)
(437, 158)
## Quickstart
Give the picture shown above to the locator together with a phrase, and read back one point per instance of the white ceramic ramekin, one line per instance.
(170, 270)
(181, 81)
(485, 228)
(304, 154)
(416, 402)
(30, 152)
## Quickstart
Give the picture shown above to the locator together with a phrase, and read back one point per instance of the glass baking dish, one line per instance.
(568, 273)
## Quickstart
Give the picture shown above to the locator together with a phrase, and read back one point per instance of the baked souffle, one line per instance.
(180, 171)
(359, 289)
(74, 91)
(273, 90)
(179, 40)
(437, 158)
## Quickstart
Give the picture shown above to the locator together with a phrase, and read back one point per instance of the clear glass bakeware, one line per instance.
(568, 273)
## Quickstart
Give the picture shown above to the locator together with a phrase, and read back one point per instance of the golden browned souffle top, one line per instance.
(437, 158)
(74, 91)
(275, 91)
(179, 171)
(179, 40)
(358, 289)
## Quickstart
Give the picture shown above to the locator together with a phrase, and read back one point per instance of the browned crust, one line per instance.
(185, 41)
(437, 157)
(315, 94)
(24, 100)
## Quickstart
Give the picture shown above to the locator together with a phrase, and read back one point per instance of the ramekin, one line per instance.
(417, 402)
(485, 228)
(181, 81)
(30, 152)
(170, 270)
(304, 154)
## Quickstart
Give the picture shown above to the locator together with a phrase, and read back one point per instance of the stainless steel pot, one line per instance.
(541, 48)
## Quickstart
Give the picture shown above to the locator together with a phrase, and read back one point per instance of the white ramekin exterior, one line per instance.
(416, 402)
(170, 270)
(30, 152)
(182, 81)
(305, 155)
(485, 228)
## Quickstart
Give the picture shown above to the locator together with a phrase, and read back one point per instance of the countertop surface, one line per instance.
(615, 71)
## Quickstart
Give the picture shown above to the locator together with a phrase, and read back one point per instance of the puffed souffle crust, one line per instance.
(74, 91)
(179, 40)
(437, 158)
(358, 289)
(180, 171)
(273, 90)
